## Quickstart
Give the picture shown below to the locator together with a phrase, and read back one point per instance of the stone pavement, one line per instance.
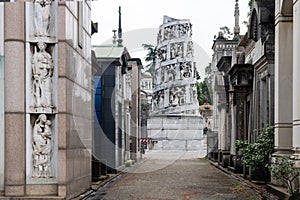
(172, 175)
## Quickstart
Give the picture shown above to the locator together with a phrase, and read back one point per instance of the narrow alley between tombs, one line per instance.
(174, 175)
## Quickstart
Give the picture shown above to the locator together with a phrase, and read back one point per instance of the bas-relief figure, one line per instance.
(176, 31)
(193, 93)
(42, 72)
(162, 54)
(176, 50)
(42, 147)
(42, 17)
(185, 70)
(190, 49)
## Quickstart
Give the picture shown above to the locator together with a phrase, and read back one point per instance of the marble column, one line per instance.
(296, 75)
(283, 82)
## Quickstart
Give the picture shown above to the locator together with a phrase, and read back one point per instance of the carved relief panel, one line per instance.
(43, 18)
(42, 79)
(176, 50)
(42, 144)
(177, 96)
(175, 31)
(41, 89)
(186, 70)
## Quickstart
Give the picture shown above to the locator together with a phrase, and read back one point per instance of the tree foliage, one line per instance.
(203, 93)
(285, 170)
(258, 154)
(150, 57)
(204, 87)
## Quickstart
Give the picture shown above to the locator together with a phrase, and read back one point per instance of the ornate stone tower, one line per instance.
(175, 117)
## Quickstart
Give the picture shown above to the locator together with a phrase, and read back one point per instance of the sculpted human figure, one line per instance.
(42, 15)
(159, 37)
(42, 147)
(173, 51)
(162, 76)
(190, 50)
(161, 101)
(42, 72)
(174, 101)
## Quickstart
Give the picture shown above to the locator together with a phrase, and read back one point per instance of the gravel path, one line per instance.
(170, 175)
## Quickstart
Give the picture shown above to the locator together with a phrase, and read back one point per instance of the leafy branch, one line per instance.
(285, 170)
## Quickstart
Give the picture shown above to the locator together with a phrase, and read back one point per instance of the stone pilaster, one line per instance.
(14, 42)
(283, 82)
(296, 75)
(2, 140)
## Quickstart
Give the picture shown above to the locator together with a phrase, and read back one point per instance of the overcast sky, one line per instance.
(141, 19)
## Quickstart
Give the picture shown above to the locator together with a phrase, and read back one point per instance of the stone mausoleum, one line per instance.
(175, 121)
(46, 99)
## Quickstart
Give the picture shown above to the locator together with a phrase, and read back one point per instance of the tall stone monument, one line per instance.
(175, 121)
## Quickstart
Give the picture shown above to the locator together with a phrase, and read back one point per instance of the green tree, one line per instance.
(204, 89)
(203, 93)
(150, 57)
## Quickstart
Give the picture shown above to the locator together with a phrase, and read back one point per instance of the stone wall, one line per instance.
(74, 98)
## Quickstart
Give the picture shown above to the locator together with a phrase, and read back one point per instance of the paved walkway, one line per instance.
(175, 175)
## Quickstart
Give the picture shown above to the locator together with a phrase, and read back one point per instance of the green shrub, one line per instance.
(284, 169)
(258, 154)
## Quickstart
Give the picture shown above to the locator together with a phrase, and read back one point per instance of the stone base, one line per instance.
(177, 133)
(187, 145)
(173, 127)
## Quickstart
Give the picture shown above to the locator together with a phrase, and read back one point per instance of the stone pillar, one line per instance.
(296, 75)
(15, 131)
(1, 97)
(283, 82)
(233, 124)
(135, 88)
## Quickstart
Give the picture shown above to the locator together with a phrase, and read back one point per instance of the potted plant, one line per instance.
(240, 147)
(257, 155)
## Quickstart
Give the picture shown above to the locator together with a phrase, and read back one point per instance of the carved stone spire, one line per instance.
(237, 21)
(120, 40)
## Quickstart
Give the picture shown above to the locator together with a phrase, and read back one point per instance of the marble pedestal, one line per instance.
(176, 132)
